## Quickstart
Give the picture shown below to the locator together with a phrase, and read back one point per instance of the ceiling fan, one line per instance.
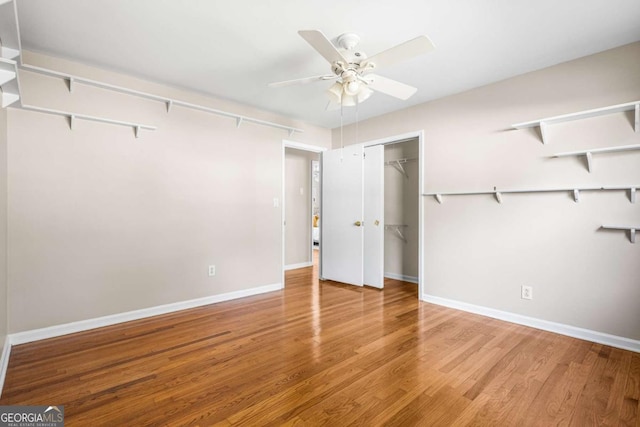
(353, 70)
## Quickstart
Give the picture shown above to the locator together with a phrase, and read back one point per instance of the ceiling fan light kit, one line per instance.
(351, 68)
(340, 94)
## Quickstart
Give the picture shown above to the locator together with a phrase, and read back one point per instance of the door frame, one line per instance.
(421, 238)
(384, 141)
(302, 147)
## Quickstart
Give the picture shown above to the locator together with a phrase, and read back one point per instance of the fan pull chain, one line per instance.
(357, 105)
(341, 139)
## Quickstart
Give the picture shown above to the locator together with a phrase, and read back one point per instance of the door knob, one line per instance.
(357, 223)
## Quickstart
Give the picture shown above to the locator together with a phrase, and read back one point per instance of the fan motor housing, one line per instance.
(353, 56)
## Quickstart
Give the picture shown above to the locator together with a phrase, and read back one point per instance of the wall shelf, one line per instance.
(10, 48)
(9, 52)
(72, 117)
(631, 230)
(544, 123)
(72, 80)
(575, 190)
(589, 153)
(8, 82)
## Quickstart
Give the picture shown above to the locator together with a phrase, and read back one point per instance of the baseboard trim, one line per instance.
(85, 325)
(558, 328)
(404, 278)
(4, 361)
(296, 266)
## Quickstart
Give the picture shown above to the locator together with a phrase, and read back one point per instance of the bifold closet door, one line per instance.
(353, 215)
(341, 217)
(374, 216)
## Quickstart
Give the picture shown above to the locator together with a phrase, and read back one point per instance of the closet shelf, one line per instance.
(169, 102)
(576, 192)
(397, 165)
(589, 153)
(397, 229)
(72, 117)
(544, 123)
(631, 230)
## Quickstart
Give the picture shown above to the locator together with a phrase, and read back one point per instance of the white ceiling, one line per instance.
(233, 49)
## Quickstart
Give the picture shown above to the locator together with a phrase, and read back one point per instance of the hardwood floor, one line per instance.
(325, 353)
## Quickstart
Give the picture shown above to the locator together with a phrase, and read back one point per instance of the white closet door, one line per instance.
(342, 216)
(374, 216)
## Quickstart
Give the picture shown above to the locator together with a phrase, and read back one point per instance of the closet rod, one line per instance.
(397, 229)
(72, 79)
(391, 162)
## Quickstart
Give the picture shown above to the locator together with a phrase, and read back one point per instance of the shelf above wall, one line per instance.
(575, 190)
(9, 88)
(9, 52)
(631, 230)
(72, 117)
(589, 153)
(544, 123)
(72, 80)
(10, 48)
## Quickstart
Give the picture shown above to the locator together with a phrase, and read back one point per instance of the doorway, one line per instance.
(299, 204)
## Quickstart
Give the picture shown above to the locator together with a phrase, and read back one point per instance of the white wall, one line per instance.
(298, 206)
(480, 252)
(401, 207)
(101, 223)
(3, 227)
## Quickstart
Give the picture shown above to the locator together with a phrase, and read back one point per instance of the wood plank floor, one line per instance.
(325, 353)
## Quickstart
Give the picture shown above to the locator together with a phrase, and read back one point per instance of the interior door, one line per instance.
(373, 218)
(342, 215)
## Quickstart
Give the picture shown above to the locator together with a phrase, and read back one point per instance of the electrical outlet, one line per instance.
(212, 270)
(527, 292)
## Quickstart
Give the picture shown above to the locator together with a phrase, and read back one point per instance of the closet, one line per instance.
(401, 210)
(370, 211)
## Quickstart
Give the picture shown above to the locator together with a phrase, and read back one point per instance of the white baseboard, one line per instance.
(4, 361)
(84, 325)
(299, 265)
(404, 278)
(558, 328)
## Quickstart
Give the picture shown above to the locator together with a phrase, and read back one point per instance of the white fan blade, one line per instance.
(322, 45)
(303, 80)
(401, 52)
(390, 87)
